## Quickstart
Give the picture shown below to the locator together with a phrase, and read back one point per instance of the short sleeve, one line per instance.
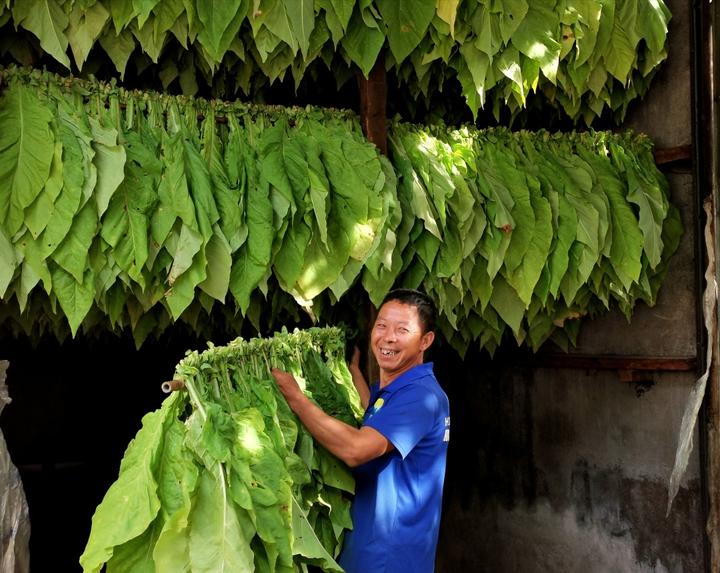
(405, 417)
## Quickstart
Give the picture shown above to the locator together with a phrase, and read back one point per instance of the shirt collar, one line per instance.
(406, 378)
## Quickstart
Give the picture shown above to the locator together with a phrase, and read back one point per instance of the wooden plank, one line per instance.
(664, 156)
(613, 362)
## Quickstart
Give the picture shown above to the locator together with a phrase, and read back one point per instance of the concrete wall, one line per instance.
(567, 470)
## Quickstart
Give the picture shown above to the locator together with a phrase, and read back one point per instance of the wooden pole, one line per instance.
(706, 159)
(373, 105)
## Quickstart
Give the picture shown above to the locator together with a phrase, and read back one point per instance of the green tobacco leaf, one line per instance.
(219, 260)
(362, 43)
(72, 253)
(217, 542)
(344, 10)
(8, 263)
(307, 543)
(279, 21)
(122, 11)
(652, 26)
(188, 244)
(170, 16)
(508, 64)
(221, 21)
(507, 303)
(132, 502)
(48, 22)
(227, 195)
(253, 258)
(512, 15)
(119, 46)
(566, 233)
(647, 194)
(27, 146)
(620, 53)
(200, 187)
(289, 260)
(586, 29)
(133, 555)
(40, 212)
(177, 480)
(150, 43)
(76, 136)
(63, 209)
(627, 240)
(406, 21)
(86, 24)
(182, 292)
(526, 276)
(143, 9)
(522, 212)
(125, 224)
(75, 298)
(109, 161)
(478, 64)
(319, 186)
(301, 17)
(537, 37)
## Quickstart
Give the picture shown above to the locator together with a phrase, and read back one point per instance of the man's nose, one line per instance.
(390, 334)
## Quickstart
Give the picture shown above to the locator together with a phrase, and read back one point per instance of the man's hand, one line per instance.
(351, 445)
(288, 386)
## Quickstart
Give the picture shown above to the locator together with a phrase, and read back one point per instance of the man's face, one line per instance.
(397, 338)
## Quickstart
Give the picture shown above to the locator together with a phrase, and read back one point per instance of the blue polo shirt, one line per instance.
(398, 496)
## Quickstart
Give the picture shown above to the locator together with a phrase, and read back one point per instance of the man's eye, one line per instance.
(404, 330)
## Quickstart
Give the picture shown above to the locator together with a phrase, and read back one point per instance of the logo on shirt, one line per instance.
(376, 406)
(446, 437)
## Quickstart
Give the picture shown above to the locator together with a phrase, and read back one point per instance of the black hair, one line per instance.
(423, 304)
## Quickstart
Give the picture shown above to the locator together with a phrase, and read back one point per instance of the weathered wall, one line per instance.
(567, 470)
(562, 470)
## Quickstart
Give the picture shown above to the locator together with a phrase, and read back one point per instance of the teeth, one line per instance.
(388, 352)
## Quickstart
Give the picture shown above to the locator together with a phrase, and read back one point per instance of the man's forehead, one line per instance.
(398, 312)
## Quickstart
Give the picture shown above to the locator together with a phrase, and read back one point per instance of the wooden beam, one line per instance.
(620, 363)
(667, 155)
(373, 103)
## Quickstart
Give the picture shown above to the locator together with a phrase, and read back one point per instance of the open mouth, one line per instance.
(387, 352)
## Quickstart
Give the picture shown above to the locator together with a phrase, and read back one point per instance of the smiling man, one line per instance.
(399, 453)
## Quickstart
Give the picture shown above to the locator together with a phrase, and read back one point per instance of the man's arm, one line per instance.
(352, 445)
(358, 378)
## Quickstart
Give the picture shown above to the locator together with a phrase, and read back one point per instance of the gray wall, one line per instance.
(567, 470)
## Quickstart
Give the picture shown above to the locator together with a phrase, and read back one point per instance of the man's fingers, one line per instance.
(283, 378)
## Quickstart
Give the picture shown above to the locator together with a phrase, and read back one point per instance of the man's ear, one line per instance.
(427, 340)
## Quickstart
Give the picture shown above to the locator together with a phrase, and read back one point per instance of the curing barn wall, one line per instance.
(567, 470)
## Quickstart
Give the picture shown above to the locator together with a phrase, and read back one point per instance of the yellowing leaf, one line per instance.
(447, 11)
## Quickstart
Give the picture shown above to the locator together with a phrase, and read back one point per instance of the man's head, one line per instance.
(403, 330)
(423, 304)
